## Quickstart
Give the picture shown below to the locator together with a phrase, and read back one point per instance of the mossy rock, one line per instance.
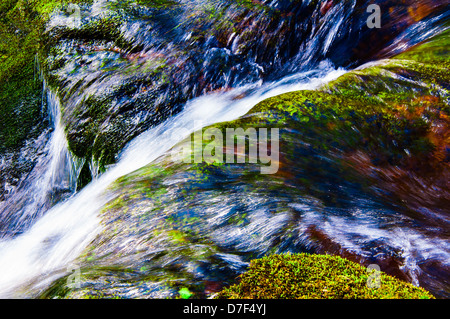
(391, 117)
(307, 276)
(176, 205)
(21, 26)
(100, 65)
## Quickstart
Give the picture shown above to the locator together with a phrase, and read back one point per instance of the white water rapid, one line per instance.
(43, 253)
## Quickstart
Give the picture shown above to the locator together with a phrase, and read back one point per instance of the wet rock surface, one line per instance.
(126, 66)
(174, 225)
(363, 169)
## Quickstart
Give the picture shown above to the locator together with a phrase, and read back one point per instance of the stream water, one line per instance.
(59, 236)
(46, 224)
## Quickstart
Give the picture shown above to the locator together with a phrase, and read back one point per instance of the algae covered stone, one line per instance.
(300, 276)
(196, 225)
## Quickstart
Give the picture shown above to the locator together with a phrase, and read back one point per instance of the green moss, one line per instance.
(20, 106)
(46, 7)
(185, 293)
(21, 26)
(382, 110)
(305, 276)
(435, 51)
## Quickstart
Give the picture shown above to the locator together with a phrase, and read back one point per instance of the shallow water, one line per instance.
(63, 232)
(46, 225)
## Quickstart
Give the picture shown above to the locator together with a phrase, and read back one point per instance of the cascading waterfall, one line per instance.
(53, 178)
(45, 224)
(59, 236)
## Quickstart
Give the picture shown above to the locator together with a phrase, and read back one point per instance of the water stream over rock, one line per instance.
(363, 160)
(64, 231)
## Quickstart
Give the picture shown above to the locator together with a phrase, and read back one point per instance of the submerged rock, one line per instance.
(362, 174)
(128, 65)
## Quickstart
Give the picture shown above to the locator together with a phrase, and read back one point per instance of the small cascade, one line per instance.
(53, 178)
(156, 74)
(43, 252)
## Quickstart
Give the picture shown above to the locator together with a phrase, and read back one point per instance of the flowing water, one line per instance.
(45, 225)
(63, 232)
(52, 179)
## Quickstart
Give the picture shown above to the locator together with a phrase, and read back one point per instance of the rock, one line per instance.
(304, 276)
(24, 121)
(130, 65)
(345, 186)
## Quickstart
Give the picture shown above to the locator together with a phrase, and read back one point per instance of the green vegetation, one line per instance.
(19, 92)
(21, 24)
(185, 293)
(382, 110)
(435, 51)
(305, 276)
(20, 108)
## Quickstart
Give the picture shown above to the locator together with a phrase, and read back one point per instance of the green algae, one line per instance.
(434, 51)
(21, 26)
(305, 276)
(20, 92)
(370, 110)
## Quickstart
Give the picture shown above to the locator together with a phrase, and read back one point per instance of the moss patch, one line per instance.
(21, 25)
(300, 276)
(433, 52)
